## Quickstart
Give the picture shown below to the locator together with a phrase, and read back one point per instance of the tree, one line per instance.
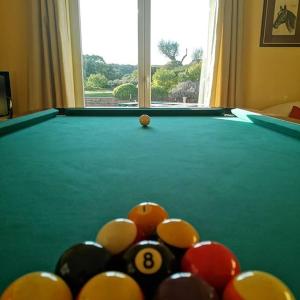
(191, 72)
(92, 65)
(165, 79)
(197, 54)
(131, 78)
(157, 92)
(96, 82)
(194, 71)
(171, 50)
(126, 91)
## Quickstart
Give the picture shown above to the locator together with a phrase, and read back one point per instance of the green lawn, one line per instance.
(101, 93)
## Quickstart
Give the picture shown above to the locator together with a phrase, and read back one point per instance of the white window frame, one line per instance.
(144, 53)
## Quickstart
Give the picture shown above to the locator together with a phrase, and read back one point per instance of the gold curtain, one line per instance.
(221, 84)
(54, 62)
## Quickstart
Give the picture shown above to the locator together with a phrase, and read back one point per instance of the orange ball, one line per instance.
(147, 216)
(144, 120)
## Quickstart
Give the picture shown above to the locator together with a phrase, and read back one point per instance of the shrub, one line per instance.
(126, 91)
(158, 92)
(194, 72)
(189, 89)
(164, 78)
(190, 73)
(96, 82)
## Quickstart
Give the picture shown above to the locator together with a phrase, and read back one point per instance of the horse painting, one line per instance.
(286, 17)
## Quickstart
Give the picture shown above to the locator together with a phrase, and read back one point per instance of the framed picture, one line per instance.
(5, 95)
(280, 23)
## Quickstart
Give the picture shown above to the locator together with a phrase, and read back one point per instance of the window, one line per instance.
(143, 52)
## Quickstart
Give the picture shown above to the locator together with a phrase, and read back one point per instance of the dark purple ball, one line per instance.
(185, 286)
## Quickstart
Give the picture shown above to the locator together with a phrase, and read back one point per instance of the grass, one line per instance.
(101, 93)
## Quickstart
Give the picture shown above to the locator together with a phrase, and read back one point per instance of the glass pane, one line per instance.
(110, 56)
(178, 37)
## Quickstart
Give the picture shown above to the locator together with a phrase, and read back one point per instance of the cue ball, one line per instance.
(144, 120)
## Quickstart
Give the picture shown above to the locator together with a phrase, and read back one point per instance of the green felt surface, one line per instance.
(272, 123)
(12, 125)
(236, 182)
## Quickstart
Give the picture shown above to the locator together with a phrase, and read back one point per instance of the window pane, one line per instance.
(109, 45)
(178, 37)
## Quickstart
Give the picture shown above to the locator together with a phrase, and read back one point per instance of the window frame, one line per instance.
(144, 53)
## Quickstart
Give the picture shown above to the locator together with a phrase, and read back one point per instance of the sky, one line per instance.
(109, 28)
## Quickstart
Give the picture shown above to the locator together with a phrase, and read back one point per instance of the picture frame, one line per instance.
(280, 23)
(5, 95)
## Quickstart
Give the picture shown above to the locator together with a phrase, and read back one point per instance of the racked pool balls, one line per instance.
(254, 285)
(144, 120)
(37, 286)
(185, 286)
(111, 286)
(149, 262)
(211, 261)
(146, 216)
(80, 263)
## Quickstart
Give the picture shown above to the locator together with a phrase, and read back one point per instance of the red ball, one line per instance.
(212, 262)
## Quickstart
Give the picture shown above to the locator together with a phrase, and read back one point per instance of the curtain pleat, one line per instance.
(55, 72)
(221, 84)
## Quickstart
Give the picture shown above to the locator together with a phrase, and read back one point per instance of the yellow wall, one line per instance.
(14, 48)
(271, 75)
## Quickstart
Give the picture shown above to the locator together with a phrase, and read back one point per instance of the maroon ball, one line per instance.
(185, 286)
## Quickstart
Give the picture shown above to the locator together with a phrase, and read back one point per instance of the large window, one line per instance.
(143, 52)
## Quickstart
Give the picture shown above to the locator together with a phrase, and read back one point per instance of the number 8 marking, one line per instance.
(148, 261)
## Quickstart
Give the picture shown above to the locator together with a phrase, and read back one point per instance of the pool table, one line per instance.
(235, 175)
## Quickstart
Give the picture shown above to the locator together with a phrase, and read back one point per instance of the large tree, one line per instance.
(171, 50)
(197, 54)
(96, 82)
(92, 65)
(165, 79)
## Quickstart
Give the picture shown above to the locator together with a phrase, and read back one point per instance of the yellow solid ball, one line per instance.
(111, 286)
(37, 286)
(254, 285)
(178, 233)
(144, 120)
(117, 235)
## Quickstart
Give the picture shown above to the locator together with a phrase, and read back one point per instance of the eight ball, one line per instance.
(149, 262)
